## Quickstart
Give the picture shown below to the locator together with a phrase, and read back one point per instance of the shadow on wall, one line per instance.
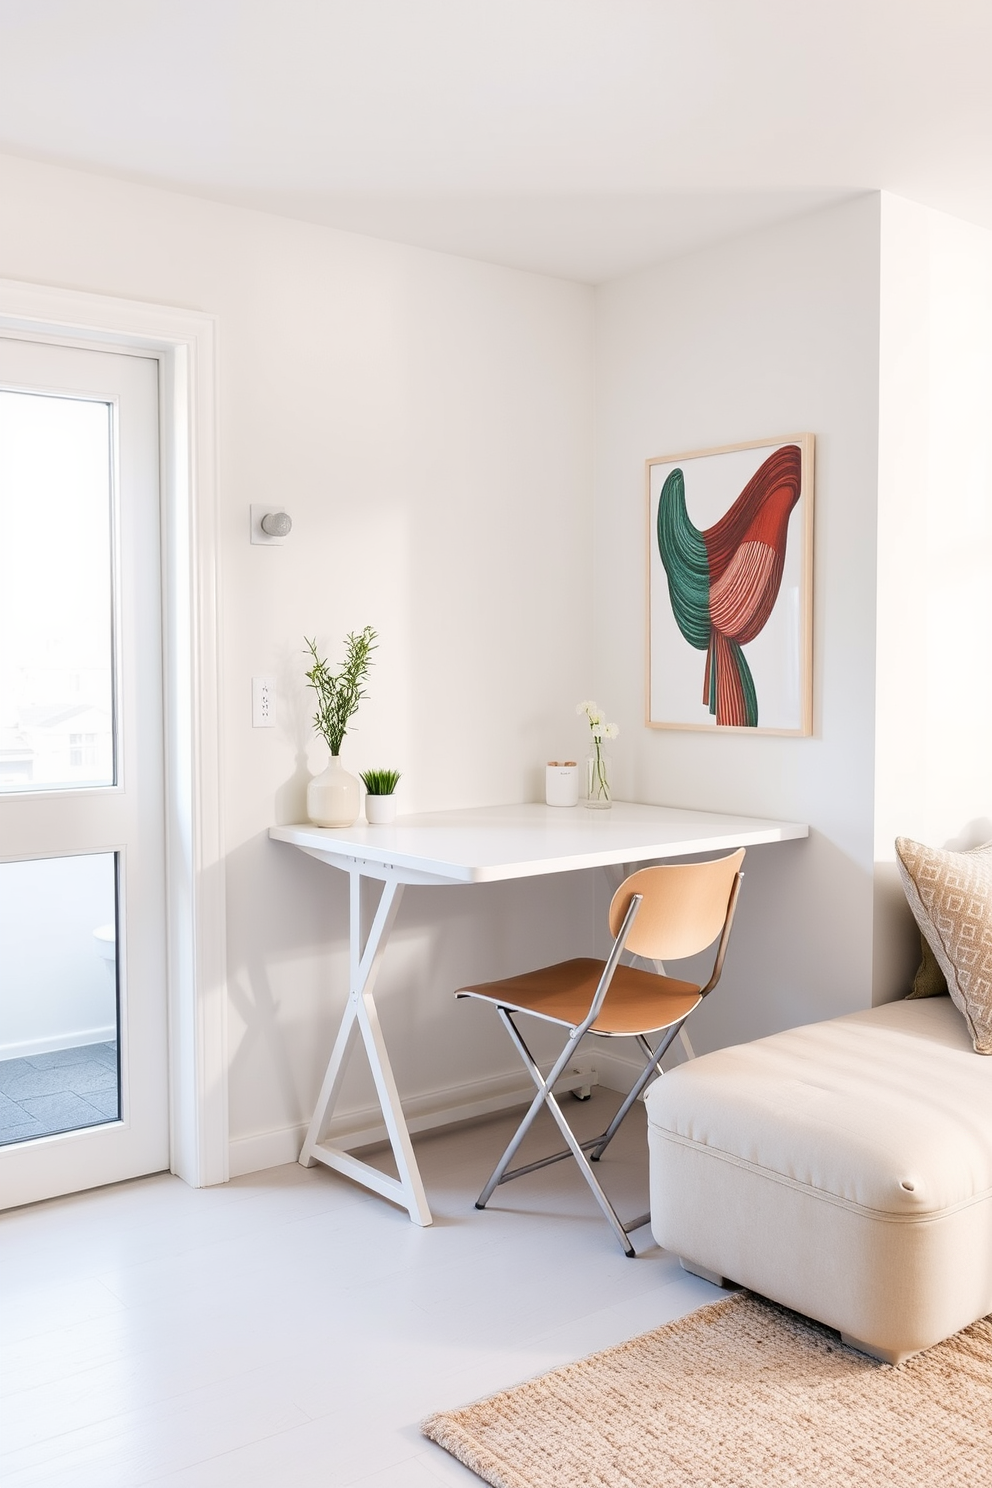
(296, 721)
(800, 950)
(975, 833)
(291, 796)
(801, 946)
(896, 942)
(304, 904)
(288, 979)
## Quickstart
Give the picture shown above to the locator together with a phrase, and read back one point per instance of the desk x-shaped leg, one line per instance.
(362, 1015)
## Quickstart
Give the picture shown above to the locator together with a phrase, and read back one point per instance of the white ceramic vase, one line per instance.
(333, 796)
(380, 810)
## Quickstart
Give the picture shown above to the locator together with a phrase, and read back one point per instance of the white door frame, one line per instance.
(185, 344)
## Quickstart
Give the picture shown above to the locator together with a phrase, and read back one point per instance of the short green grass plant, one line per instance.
(380, 782)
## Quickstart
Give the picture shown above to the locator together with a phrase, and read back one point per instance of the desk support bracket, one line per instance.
(362, 1016)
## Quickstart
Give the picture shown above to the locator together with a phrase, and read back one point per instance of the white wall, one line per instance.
(56, 992)
(934, 685)
(771, 334)
(427, 421)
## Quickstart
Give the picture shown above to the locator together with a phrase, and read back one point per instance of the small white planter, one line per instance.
(380, 810)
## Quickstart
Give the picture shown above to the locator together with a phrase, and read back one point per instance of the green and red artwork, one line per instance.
(730, 569)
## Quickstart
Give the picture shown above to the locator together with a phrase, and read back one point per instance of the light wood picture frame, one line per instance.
(730, 588)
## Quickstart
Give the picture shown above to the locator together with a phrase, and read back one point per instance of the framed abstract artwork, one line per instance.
(730, 588)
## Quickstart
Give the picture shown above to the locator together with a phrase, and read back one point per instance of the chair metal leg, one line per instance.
(545, 1096)
(609, 1212)
(547, 1162)
(653, 1066)
(543, 1087)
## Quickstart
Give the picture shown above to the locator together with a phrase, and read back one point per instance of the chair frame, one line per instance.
(545, 1096)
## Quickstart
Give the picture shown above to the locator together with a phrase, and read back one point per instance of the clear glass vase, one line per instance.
(599, 791)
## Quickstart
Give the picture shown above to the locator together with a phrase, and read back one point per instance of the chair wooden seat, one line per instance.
(671, 910)
(637, 1002)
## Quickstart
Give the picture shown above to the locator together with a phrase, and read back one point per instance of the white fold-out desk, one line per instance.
(481, 845)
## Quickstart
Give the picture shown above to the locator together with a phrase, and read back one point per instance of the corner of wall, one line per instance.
(933, 702)
(769, 333)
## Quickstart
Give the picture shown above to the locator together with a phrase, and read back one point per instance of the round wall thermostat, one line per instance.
(277, 524)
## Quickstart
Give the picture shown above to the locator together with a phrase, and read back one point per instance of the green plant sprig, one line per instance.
(339, 694)
(380, 782)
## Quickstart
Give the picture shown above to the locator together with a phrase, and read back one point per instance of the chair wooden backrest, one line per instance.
(683, 909)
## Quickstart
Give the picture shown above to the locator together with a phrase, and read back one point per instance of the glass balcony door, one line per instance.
(83, 1036)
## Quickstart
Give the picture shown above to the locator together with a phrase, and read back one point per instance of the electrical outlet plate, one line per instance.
(258, 510)
(263, 702)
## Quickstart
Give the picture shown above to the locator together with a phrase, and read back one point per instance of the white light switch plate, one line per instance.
(263, 702)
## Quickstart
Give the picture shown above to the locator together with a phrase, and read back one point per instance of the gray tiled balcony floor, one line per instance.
(57, 1092)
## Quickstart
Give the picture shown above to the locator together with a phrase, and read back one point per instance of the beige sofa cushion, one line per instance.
(886, 1110)
(950, 894)
(843, 1169)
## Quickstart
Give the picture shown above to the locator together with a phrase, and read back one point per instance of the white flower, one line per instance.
(597, 721)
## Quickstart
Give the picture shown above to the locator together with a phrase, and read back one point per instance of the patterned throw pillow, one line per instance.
(950, 893)
(929, 979)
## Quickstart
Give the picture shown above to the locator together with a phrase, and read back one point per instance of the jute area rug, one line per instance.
(740, 1393)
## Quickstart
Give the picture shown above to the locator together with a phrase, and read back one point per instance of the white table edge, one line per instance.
(376, 861)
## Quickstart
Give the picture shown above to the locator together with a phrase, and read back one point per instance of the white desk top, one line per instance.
(483, 844)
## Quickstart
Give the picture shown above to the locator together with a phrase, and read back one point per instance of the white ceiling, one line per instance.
(578, 137)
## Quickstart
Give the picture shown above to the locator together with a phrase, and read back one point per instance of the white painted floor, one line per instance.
(290, 1330)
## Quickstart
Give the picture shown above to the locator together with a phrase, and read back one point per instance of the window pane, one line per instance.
(56, 628)
(58, 996)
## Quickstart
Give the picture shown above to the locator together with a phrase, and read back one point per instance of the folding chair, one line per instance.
(658, 914)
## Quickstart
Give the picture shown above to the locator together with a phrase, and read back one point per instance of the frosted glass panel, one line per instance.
(58, 995)
(56, 604)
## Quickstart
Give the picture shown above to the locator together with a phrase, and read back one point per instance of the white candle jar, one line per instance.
(561, 783)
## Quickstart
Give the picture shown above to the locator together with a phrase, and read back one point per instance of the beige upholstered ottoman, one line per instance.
(843, 1169)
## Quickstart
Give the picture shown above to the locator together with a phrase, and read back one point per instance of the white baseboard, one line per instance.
(75, 1040)
(615, 1072)
(423, 1113)
(269, 1149)
(619, 1072)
